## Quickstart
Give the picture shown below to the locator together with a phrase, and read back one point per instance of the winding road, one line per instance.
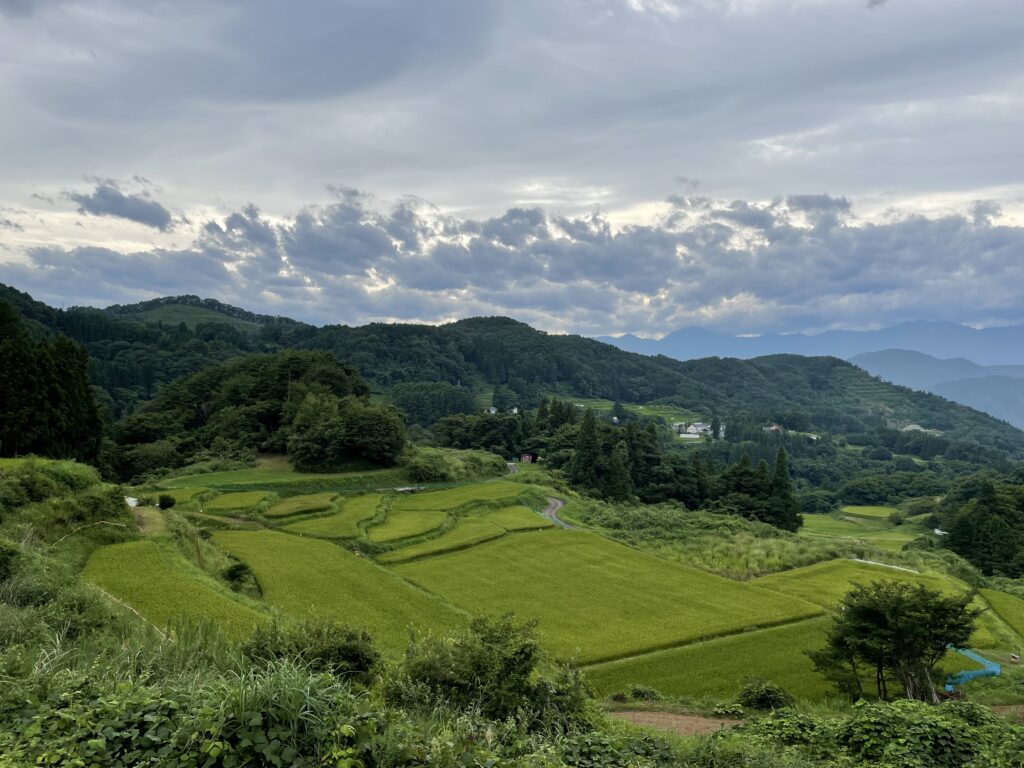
(551, 512)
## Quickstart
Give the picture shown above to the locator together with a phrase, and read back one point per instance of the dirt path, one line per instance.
(512, 467)
(684, 725)
(551, 512)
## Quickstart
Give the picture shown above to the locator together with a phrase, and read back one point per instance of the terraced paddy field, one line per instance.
(453, 498)
(596, 599)
(1007, 607)
(184, 495)
(404, 524)
(295, 505)
(826, 583)
(243, 501)
(139, 574)
(517, 518)
(878, 513)
(276, 471)
(343, 524)
(717, 668)
(469, 531)
(304, 576)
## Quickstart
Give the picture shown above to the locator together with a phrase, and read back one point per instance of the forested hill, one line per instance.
(134, 350)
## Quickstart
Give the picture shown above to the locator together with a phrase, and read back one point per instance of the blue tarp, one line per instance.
(989, 669)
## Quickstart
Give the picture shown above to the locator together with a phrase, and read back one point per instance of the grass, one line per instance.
(469, 531)
(191, 316)
(343, 524)
(597, 598)
(405, 524)
(869, 511)
(303, 576)
(717, 668)
(669, 413)
(1007, 607)
(826, 583)
(452, 498)
(826, 525)
(232, 502)
(140, 574)
(294, 505)
(517, 518)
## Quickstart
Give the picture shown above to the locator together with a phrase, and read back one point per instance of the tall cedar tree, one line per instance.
(46, 401)
(785, 510)
(584, 467)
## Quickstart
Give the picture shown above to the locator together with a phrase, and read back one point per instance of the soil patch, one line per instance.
(684, 725)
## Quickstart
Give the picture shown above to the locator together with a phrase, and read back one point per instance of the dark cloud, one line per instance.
(796, 263)
(108, 199)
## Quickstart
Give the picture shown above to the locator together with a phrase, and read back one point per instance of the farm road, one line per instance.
(551, 512)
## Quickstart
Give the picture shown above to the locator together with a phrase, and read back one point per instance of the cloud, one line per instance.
(107, 199)
(802, 262)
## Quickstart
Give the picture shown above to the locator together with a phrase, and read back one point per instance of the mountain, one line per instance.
(131, 356)
(986, 346)
(997, 390)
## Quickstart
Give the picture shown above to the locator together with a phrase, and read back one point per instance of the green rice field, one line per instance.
(717, 668)
(517, 518)
(1007, 607)
(469, 531)
(598, 600)
(139, 574)
(232, 502)
(303, 576)
(826, 583)
(405, 524)
(183, 495)
(294, 505)
(452, 498)
(869, 511)
(343, 524)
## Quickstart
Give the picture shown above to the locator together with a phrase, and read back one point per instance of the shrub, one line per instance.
(324, 645)
(763, 695)
(644, 693)
(165, 501)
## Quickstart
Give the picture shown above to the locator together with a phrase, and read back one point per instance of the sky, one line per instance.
(586, 166)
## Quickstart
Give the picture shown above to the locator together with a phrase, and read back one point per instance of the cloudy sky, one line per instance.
(594, 166)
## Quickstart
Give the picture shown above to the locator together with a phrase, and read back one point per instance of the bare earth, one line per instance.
(684, 725)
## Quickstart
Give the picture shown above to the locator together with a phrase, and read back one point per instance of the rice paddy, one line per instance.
(141, 575)
(304, 576)
(453, 498)
(517, 518)
(294, 505)
(406, 524)
(717, 668)
(343, 524)
(469, 531)
(595, 599)
(1007, 607)
(243, 501)
(875, 512)
(826, 583)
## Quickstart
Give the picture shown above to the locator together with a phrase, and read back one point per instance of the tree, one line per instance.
(783, 506)
(897, 631)
(617, 484)
(584, 467)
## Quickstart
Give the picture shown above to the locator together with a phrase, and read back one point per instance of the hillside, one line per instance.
(131, 357)
(994, 389)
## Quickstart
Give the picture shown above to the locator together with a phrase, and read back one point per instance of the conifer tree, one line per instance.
(584, 467)
(617, 483)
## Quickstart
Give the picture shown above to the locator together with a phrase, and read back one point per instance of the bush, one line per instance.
(165, 501)
(644, 693)
(324, 645)
(490, 668)
(763, 695)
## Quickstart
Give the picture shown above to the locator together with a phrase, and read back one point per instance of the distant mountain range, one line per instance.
(987, 346)
(997, 389)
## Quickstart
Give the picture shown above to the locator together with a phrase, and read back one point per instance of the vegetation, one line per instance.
(305, 577)
(343, 524)
(404, 524)
(141, 575)
(596, 599)
(295, 505)
(240, 501)
(47, 406)
(517, 518)
(468, 531)
(718, 668)
(897, 631)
